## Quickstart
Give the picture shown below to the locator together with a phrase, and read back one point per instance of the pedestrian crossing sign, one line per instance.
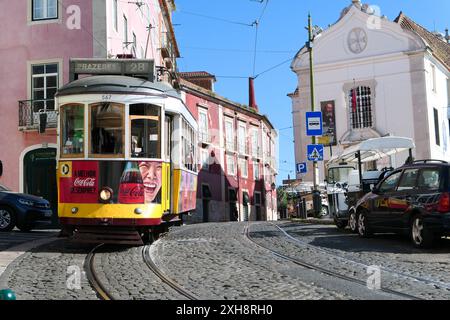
(315, 152)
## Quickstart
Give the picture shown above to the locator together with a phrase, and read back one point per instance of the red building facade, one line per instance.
(237, 155)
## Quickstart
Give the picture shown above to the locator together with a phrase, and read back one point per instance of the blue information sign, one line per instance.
(314, 124)
(315, 152)
(302, 167)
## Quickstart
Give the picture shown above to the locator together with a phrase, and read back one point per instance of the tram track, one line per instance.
(166, 280)
(322, 270)
(93, 278)
(428, 281)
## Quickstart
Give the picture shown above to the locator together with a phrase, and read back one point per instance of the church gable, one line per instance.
(359, 35)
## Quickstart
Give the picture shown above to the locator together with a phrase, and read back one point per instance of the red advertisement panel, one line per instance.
(79, 182)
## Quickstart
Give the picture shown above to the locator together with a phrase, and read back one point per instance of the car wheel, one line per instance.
(363, 226)
(353, 222)
(7, 219)
(421, 237)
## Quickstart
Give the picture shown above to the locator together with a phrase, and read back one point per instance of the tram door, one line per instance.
(168, 157)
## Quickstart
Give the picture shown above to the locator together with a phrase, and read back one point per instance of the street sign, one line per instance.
(314, 124)
(315, 152)
(302, 167)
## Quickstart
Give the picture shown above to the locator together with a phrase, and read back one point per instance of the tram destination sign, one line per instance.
(132, 67)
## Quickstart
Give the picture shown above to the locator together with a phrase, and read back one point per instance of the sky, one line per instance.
(216, 36)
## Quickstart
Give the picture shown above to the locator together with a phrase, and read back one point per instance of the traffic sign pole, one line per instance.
(311, 73)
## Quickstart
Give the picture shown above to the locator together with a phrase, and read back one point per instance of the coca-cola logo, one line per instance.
(86, 182)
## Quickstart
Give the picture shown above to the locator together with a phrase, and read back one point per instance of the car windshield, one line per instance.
(3, 188)
(339, 174)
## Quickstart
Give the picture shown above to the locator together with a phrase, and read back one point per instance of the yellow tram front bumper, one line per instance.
(134, 214)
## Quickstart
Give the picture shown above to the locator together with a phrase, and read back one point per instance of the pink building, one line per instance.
(39, 37)
(237, 155)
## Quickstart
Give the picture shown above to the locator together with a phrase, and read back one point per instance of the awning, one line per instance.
(375, 149)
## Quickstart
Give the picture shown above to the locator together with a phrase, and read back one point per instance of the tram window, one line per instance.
(145, 131)
(188, 147)
(72, 130)
(107, 129)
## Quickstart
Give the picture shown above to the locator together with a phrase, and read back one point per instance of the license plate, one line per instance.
(48, 214)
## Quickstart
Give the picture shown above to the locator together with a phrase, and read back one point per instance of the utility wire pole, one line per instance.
(311, 73)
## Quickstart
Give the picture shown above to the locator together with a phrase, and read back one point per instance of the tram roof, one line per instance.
(116, 84)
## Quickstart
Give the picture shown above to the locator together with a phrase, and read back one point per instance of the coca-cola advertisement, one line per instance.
(132, 182)
(79, 182)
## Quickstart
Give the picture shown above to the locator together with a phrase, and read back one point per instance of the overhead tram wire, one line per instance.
(215, 18)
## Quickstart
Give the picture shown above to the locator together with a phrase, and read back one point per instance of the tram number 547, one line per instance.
(106, 97)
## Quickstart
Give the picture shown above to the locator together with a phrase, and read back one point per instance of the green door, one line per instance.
(40, 177)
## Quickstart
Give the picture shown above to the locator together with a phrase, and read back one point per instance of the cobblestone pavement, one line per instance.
(14, 238)
(351, 254)
(217, 261)
(50, 272)
(126, 276)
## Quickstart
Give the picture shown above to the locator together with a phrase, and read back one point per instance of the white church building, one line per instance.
(375, 77)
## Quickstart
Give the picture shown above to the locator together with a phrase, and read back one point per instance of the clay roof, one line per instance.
(196, 74)
(440, 48)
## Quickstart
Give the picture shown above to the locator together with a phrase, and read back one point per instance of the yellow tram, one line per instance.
(126, 158)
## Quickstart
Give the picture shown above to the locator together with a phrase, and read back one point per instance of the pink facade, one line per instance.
(252, 196)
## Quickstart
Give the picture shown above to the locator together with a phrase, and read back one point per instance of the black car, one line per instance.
(22, 210)
(412, 200)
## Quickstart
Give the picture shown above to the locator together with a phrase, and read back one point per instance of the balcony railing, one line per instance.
(29, 111)
(204, 137)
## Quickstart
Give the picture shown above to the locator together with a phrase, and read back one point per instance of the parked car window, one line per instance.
(429, 179)
(390, 183)
(409, 179)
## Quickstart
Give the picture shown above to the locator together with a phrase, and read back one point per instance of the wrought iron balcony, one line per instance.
(204, 137)
(29, 111)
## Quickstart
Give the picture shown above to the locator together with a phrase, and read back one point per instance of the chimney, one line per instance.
(447, 36)
(251, 94)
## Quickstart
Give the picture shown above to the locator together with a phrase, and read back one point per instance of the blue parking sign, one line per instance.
(302, 167)
(315, 152)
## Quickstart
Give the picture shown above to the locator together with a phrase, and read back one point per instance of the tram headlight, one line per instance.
(105, 195)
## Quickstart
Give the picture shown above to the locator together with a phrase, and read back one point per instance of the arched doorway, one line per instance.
(39, 176)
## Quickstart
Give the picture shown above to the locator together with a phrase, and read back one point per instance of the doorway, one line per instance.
(39, 167)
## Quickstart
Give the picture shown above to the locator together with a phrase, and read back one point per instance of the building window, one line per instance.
(433, 78)
(229, 135)
(256, 170)
(242, 138)
(243, 163)
(231, 165)
(125, 30)
(134, 48)
(255, 144)
(44, 86)
(203, 125)
(205, 159)
(115, 15)
(360, 101)
(45, 9)
(436, 127)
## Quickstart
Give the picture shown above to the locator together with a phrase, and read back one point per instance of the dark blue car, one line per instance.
(23, 211)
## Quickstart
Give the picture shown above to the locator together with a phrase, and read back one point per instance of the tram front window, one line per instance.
(107, 129)
(72, 131)
(145, 131)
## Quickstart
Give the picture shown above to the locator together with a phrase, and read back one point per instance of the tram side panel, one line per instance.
(139, 192)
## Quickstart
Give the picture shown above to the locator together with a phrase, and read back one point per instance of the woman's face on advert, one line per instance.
(151, 176)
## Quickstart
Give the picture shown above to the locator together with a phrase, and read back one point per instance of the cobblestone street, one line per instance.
(218, 262)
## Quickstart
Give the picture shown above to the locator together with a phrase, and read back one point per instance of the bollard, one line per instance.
(7, 294)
